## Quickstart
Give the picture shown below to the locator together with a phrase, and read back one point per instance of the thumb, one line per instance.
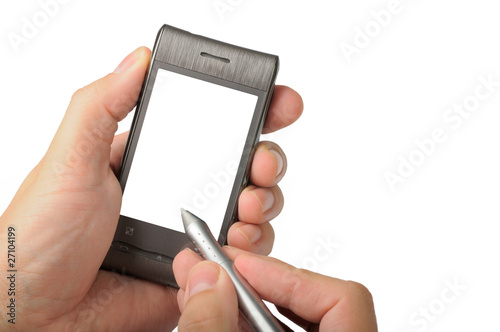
(210, 302)
(82, 142)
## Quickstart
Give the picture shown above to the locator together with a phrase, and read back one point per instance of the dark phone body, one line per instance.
(146, 250)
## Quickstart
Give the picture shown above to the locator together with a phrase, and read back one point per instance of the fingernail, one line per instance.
(203, 276)
(250, 232)
(266, 201)
(129, 61)
(279, 159)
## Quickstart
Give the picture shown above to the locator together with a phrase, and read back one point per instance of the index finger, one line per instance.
(286, 107)
(332, 303)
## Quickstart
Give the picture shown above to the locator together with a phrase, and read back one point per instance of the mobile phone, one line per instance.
(198, 119)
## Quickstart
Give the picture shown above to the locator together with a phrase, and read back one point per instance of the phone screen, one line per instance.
(188, 151)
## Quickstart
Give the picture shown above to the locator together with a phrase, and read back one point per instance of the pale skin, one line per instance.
(315, 302)
(66, 211)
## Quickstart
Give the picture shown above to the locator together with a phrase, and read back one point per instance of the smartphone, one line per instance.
(198, 119)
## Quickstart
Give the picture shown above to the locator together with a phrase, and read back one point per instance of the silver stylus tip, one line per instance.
(187, 218)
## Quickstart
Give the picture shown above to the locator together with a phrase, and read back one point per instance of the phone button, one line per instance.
(128, 248)
(129, 231)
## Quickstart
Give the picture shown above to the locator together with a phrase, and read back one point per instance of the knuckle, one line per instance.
(78, 94)
(359, 291)
(292, 280)
(82, 93)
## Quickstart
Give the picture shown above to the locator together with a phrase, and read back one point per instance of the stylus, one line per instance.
(251, 305)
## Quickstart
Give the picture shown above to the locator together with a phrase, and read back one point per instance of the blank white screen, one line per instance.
(188, 151)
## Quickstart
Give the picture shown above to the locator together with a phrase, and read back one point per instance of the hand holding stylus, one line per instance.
(250, 304)
(208, 301)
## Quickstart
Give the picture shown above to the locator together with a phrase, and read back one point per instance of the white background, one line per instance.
(407, 245)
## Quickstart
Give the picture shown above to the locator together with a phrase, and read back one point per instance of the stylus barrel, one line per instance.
(250, 304)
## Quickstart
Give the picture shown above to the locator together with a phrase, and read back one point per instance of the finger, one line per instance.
(117, 148)
(210, 300)
(258, 239)
(330, 302)
(268, 165)
(183, 263)
(258, 205)
(181, 294)
(82, 142)
(286, 107)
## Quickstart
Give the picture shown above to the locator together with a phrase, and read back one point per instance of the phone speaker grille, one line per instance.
(215, 57)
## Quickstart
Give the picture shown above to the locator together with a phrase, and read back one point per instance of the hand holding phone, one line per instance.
(65, 213)
(198, 120)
